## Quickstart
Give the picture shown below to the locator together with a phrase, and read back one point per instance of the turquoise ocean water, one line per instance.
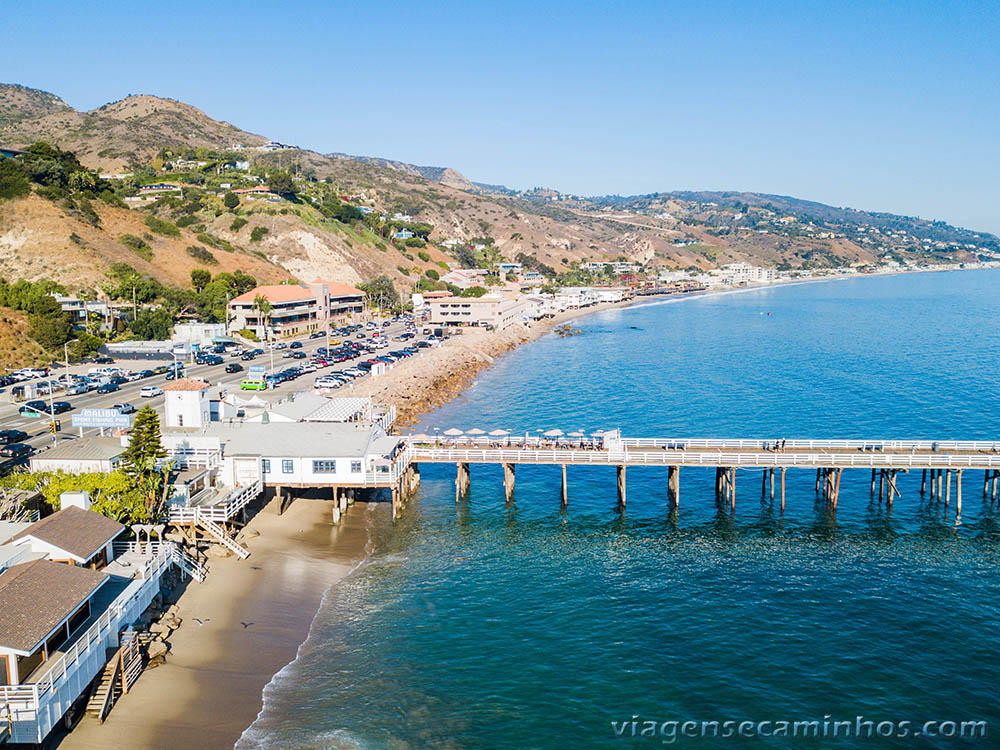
(488, 626)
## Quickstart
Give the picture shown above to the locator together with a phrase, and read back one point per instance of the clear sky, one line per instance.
(883, 105)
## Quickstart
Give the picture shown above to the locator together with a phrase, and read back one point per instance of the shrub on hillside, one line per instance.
(238, 223)
(186, 221)
(430, 273)
(423, 256)
(137, 245)
(257, 234)
(13, 180)
(161, 226)
(202, 254)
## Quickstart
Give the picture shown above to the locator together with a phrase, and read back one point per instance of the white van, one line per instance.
(104, 371)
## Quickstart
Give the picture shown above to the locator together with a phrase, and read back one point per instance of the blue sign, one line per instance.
(102, 418)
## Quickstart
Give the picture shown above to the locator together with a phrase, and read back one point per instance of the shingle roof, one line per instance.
(277, 293)
(36, 596)
(186, 384)
(86, 449)
(80, 532)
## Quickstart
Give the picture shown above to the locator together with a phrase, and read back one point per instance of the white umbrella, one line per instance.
(599, 433)
(554, 433)
(475, 431)
(499, 433)
(574, 434)
(453, 432)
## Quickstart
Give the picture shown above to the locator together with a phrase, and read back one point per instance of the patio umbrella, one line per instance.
(475, 431)
(599, 433)
(453, 432)
(499, 433)
(554, 433)
(574, 434)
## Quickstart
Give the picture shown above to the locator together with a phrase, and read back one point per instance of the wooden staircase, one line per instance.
(220, 534)
(123, 668)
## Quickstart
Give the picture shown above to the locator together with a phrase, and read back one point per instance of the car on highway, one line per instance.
(12, 436)
(296, 345)
(234, 367)
(124, 408)
(150, 391)
(317, 335)
(59, 407)
(107, 388)
(15, 450)
(33, 409)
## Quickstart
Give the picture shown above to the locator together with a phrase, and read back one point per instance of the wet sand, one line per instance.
(210, 688)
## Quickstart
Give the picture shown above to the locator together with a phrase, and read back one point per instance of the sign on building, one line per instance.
(102, 418)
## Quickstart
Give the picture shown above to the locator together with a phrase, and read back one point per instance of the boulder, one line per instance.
(250, 533)
(217, 550)
(157, 650)
(160, 628)
(174, 536)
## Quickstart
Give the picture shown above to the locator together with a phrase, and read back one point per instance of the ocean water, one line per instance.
(485, 625)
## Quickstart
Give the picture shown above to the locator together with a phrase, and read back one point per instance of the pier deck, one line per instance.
(939, 460)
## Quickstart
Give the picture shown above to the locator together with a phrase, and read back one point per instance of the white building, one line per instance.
(80, 456)
(740, 274)
(187, 403)
(488, 311)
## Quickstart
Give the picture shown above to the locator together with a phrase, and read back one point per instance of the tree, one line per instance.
(380, 292)
(229, 200)
(13, 180)
(263, 307)
(152, 325)
(200, 278)
(281, 183)
(474, 291)
(145, 449)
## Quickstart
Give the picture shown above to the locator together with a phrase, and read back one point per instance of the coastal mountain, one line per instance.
(307, 234)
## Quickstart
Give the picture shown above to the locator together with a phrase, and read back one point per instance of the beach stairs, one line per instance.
(191, 567)
(220, 534)
(123, 668)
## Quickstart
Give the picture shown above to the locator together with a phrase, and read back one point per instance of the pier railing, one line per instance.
(716, 458)
(237, 500)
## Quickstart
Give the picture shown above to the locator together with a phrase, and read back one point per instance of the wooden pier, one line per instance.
(942, 462)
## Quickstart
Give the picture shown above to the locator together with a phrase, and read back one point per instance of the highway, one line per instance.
(38, 427)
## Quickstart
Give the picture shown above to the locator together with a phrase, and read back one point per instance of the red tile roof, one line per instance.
(186, 384)
(339, 290)
(277, 293)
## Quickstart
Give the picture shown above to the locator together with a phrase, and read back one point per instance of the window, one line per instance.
(287, 466)
(355, 467)
(324, 467)
(266, 465)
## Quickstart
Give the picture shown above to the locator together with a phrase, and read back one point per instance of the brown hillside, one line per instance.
(41, 240)
(17, 348)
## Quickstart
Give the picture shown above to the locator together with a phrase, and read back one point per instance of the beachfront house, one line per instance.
(74, 535)
(68, 590)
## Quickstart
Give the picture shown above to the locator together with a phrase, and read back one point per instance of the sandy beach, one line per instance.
(210, 688)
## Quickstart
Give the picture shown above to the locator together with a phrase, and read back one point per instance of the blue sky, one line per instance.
(887, 106)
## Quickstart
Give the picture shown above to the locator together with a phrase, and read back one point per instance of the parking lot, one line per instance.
(289, 365)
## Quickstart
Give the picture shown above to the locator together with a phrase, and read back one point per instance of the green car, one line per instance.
(253, 385)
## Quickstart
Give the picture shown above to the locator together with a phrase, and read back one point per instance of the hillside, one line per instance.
(17, 348)
(316, 229)
(42, 240)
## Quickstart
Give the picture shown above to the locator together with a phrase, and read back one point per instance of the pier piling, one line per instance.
(508, 481)
(621, 487)
(565, 488)
(674, 485)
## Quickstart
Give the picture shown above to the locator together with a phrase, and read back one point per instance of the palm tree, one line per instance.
(263, 308)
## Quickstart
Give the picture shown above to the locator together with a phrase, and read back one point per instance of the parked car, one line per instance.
(150, 391)
(15, 450)
(111, 387)
(12, 436)
(234, 367)
(124, 408)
